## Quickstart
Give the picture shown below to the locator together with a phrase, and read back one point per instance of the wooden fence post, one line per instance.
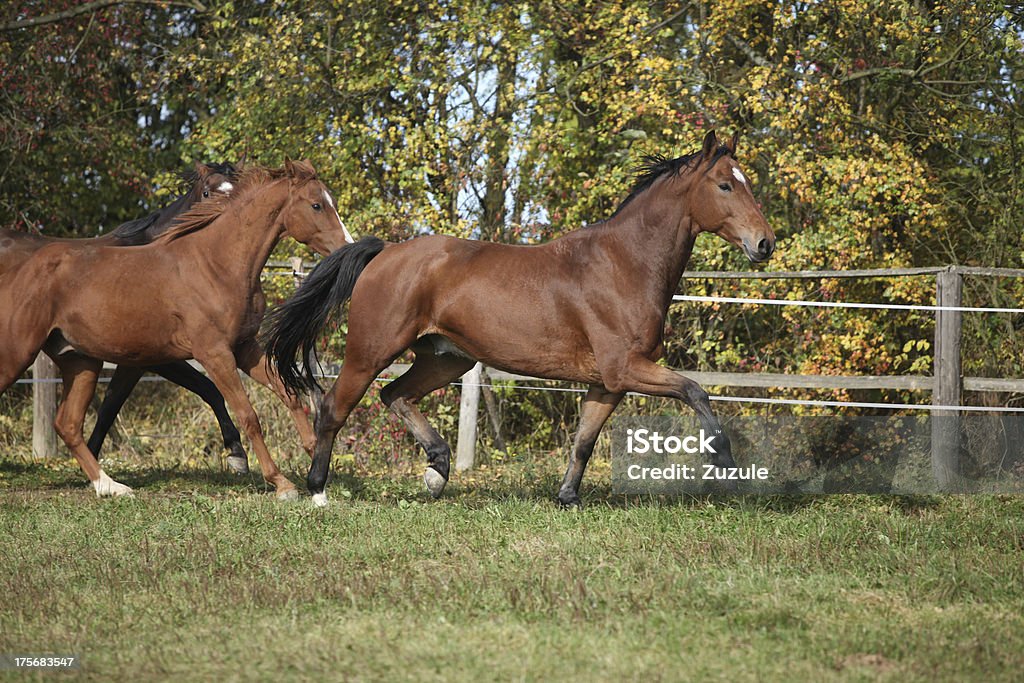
(44, 407)
(298, 275)
(492, 412)
(297, 272)
(469, 408)
(948, 381)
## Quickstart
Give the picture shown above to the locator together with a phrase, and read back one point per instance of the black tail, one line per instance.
(297, 322)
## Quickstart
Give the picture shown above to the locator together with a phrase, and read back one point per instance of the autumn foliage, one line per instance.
(877, 134)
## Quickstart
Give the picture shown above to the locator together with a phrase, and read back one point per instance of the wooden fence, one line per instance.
(947, 383)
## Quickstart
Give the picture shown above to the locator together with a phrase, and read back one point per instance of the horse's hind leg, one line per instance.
(598, 405)
(372, 344)
(334, 409)
(21, 341)
(186, 376)
(13, 366)
(121, 385)
(80, 375)
(428, 373)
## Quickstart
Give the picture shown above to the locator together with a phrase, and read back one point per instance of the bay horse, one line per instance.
(204, 180)
(195, 293)
(587, 307)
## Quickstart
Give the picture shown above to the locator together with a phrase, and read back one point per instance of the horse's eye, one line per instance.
(725, 187)
(206, 193)
(317, 207)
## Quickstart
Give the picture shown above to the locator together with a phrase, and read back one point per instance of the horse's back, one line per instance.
(16, 246)
(510, 306)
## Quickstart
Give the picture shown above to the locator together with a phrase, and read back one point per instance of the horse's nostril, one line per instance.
(765, 247)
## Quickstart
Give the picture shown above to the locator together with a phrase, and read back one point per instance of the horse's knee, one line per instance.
(694, 394)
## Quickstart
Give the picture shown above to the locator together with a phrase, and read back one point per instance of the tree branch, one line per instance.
(597, 62)
(759, 60)
(877, 71)
(92, 7)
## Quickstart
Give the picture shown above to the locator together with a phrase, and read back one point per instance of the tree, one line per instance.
(74, 159)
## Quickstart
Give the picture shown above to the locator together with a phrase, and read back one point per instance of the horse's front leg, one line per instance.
(219, 361)
(253, 362)
(643, 376)
(186, 376)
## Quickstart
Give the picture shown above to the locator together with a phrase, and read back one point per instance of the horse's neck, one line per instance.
(144, 230)
(653, 238)
(238, 243)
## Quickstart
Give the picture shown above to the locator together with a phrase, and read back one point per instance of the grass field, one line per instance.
(204, 576)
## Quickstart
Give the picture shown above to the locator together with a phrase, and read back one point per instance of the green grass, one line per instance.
(204, 576)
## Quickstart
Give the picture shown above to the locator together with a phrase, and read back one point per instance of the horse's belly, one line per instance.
(545, 358)
(115, 336)
(119, 352)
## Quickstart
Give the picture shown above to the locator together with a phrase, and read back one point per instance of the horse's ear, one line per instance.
(303, 170)
(710, 145)
(731, 145)
(201, 169)
(289, 167)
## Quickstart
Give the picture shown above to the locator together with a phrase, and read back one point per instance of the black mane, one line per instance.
(191, 177)
(139, 225)
(654, 166)
(135, 228)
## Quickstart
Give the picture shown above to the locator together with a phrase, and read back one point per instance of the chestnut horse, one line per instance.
(205, 180)
(192, 296)
(587, 307)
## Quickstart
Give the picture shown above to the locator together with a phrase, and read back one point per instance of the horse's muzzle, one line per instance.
(765, 248)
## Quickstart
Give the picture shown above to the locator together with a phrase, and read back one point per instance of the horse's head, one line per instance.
(310, 216)
(722, 202)
(204, 181)
(209, 180)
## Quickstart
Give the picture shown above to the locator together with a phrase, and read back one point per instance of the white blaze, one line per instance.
(225, 187)
(330, 203)
(738, 174)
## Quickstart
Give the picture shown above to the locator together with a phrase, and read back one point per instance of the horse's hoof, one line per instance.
(107, 487)
(434, 481)
(569, 500)
(288, 494)
(239, 464)
(320, 500)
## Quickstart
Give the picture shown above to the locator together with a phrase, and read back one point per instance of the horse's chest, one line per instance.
(238, 318)
(250, 317)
